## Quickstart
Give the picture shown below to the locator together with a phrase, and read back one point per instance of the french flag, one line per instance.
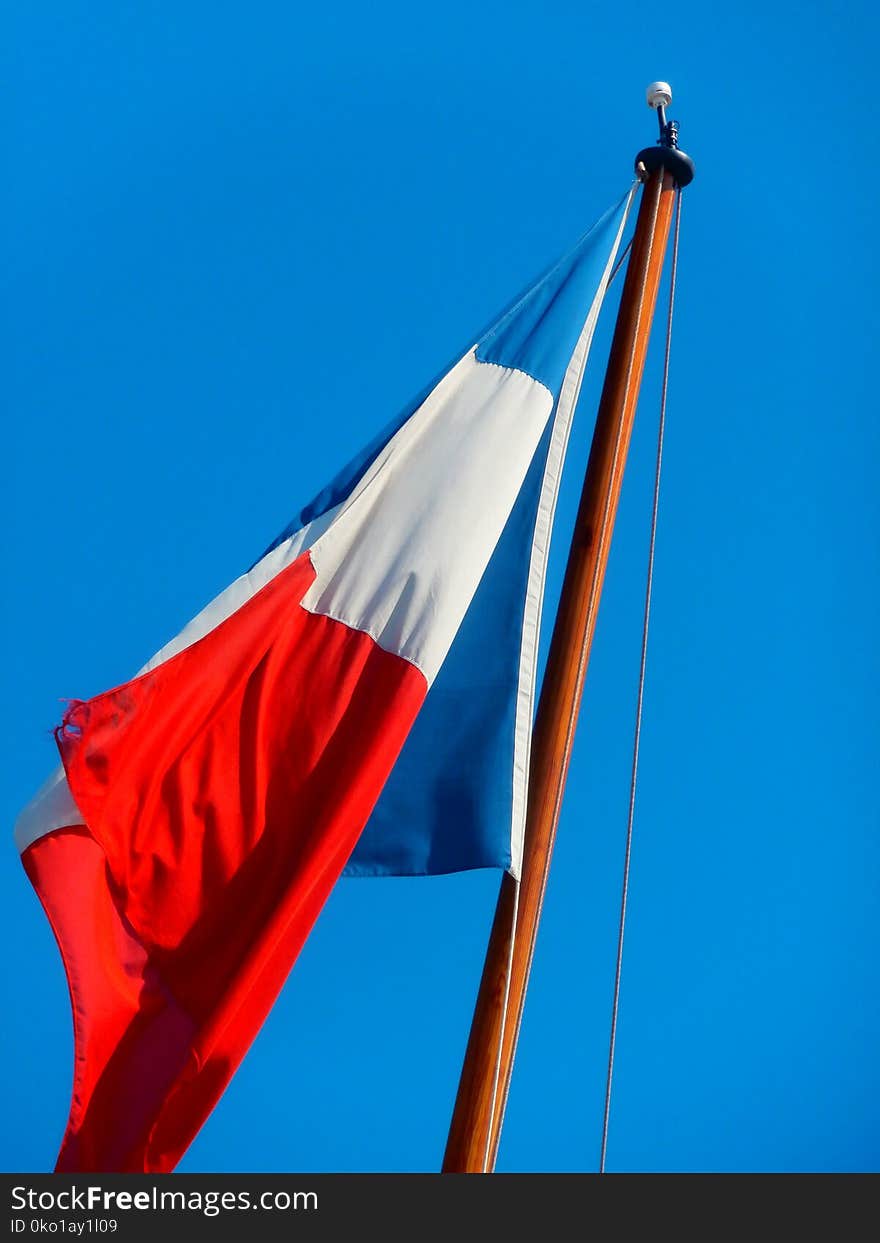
(359, 701)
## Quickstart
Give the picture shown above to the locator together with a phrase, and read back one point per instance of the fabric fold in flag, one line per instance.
(361, 699)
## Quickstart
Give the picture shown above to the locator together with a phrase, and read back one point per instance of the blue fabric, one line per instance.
(539, 333)
(447, 805)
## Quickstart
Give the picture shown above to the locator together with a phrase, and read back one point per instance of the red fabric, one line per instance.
(223, 792)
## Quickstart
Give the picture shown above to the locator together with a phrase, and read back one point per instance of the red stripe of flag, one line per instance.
(223, 793)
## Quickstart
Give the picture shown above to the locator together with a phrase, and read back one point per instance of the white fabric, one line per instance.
(525, 702)
(52, 807)
(404, 556)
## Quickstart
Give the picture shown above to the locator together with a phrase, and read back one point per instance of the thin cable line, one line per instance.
(641, 693)
(620, 261)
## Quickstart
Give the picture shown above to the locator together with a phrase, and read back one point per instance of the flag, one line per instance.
(360, 700)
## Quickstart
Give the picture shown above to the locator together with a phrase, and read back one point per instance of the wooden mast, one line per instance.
(485, 1077)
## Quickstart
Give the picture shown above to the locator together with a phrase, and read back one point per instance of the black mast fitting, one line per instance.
(666, 153)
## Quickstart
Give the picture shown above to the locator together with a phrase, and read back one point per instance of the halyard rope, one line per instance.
(620, 262)
(641, 692)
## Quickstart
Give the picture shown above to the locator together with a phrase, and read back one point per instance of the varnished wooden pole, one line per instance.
(482, 1093)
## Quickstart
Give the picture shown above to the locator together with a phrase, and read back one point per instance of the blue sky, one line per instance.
(236, 240)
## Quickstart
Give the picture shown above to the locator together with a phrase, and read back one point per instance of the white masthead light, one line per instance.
(659, 95)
